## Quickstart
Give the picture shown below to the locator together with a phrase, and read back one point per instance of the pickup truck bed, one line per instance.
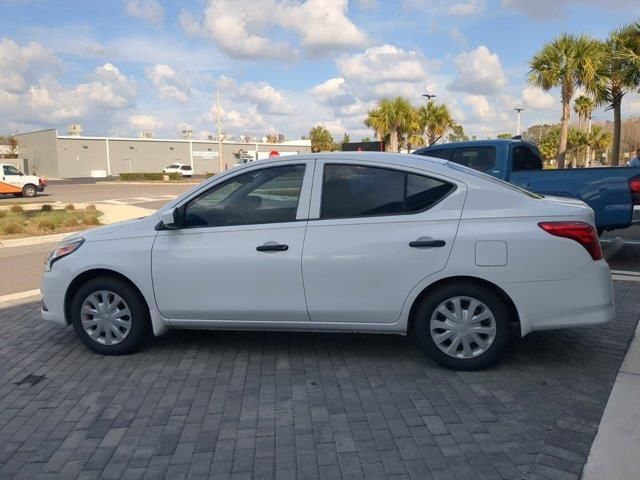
(612, 192)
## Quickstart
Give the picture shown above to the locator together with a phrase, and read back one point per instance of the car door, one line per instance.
(373, 234)
(238, 255)
(11, 175)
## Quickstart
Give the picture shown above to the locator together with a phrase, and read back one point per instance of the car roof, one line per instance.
(476, 143)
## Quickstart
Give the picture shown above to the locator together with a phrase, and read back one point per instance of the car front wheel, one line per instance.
(29, 191)
(109, 316)
(463, 326)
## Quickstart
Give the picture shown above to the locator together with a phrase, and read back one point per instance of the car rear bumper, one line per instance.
(584, 300)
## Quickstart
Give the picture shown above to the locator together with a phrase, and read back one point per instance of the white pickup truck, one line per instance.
(14, 182)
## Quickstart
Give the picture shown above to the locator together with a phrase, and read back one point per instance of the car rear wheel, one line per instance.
(29, 191)
(109, 316)
(463, 326)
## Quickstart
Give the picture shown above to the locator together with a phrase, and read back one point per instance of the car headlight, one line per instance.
(61, 251)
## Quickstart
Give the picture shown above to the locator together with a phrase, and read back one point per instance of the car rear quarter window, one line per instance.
(351, 191)
(481, 158)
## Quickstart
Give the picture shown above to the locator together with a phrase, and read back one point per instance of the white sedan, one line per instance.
(184, 170)
(358, 242)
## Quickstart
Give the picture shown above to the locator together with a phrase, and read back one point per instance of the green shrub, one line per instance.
(46, 225)
(3, 213)
(17, 209)
(209, 175)
(46, 208)
(91, 207)
(12, 228)
(70, 222)
(89, 219)
(148, 176)
(70, 207)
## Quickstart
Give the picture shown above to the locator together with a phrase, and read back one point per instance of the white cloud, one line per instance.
(478, 71)
(469, 7)
(148, 10)
(191, 24)
(537, 99)
(145, 123)
(168, 84)
(385, 63)
(242, 29)
(266, 99)
(333, 92)
(20, 65)
(457, 36)
(249, 121)
(368, 4)
(480, 107)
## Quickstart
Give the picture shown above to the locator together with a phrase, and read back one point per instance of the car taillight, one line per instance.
(581, 232)
(634, 186)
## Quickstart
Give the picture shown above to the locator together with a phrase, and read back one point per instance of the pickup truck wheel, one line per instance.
(463, 326)
(29, 190)
(109, 316)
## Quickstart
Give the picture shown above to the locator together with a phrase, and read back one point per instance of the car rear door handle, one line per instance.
(272, 247)
(427, 242)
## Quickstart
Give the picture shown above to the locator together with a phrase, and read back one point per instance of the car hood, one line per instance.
(139, 227)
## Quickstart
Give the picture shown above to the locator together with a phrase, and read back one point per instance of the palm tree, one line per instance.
(583, 106)
(321, 139)
(392, 117)
(414, 134)
(436, 120)
(568, 62)
(599, 139)
(622, 76)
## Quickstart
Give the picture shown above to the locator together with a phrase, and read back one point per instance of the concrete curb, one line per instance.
(19, 296)
(614, 452)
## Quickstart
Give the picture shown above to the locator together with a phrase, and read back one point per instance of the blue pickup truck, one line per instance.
(612, 192)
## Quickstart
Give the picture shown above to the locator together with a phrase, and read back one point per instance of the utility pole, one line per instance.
(518, 121)
(219, 133)
(428, 96)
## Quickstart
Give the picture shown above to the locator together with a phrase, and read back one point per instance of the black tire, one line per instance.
(139, 318)
(489, 298)
(29, 190)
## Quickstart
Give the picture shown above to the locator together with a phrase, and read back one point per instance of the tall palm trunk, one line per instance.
(564, 135)
(393, 141)
(617, 126)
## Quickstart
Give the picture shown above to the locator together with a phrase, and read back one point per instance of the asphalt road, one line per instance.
(24, 264)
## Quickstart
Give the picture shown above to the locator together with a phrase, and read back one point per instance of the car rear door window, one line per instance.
(479, 158)
(351, 191)
(268, 195)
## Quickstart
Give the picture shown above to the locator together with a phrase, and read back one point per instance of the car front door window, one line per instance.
(268, 195)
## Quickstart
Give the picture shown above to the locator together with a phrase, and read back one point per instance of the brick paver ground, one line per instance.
(267, 405)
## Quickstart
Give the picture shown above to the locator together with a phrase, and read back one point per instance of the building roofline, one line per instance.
(37, 131)
(173, 140)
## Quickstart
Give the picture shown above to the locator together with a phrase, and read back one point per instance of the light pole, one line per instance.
(518, 122)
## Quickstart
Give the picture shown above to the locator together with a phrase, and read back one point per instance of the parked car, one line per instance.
(612, 192)
(382, 243)
(184, 170)
(16, 183)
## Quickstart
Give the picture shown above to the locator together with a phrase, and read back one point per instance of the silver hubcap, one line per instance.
(105, 317)
(463, 327)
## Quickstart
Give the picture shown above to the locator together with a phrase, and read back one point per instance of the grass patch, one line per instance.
(26, 223)
(149, 177)
(16, 209)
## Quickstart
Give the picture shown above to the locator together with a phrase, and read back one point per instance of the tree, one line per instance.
(457, 134)
(321, 139)
(622, 75)
(583, 106)
(436, 120)
(599, 139)
(392, 118)
(346, 138)
(568, 62)
(365, 139)
(272, 138)
(506, 136)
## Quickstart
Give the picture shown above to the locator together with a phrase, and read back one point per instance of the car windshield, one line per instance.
(489, 178)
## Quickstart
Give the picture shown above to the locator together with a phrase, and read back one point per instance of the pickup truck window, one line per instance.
(479, 158)
(525, 159)
(442, 153)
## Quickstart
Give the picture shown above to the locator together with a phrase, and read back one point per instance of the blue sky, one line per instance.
(122, 66)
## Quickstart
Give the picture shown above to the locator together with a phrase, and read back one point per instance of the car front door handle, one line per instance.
(423, 242)
(272, 247)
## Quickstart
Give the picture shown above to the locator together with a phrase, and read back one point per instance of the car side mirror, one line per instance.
(171, 218)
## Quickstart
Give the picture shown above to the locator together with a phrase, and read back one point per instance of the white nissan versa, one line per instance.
(355, 242)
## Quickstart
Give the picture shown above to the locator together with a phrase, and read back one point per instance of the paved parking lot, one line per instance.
(280, 405)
